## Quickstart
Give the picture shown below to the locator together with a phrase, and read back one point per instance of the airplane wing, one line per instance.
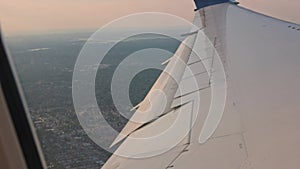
(228, 98)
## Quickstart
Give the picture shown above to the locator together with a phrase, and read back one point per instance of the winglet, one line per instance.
(204, 3)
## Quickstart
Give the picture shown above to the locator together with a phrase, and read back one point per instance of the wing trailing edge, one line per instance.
(159, 99)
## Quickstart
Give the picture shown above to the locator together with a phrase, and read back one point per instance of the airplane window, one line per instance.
(45, 40)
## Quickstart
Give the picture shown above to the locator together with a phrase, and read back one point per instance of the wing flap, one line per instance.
(161, 95)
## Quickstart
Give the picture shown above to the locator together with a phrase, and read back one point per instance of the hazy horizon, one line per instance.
(33, 16)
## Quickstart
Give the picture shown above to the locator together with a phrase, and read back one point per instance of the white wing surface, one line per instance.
(239, 60)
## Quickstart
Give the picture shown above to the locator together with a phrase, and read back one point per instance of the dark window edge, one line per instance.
(18, 111)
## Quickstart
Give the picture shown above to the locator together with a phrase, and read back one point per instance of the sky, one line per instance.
(27, 16)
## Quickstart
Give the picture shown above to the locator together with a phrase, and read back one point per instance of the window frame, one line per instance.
(19, 114)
